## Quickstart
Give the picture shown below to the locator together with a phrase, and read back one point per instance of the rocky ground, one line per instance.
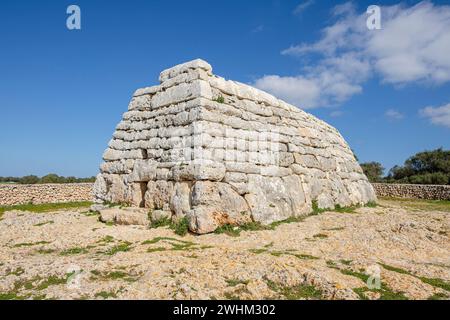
(71, 255)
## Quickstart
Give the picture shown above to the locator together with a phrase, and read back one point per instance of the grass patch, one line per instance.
(158, 239)
(164, 222)
(305, 256)
(228, 229)
(350, 209)
(157, 249)
(235, 231)
(235, 282)
(121, 247)
(258, 251)
(12, 296)
(90, 213)
(177, 245)
(372, 204)
(45, 251)
(74, 251)
(220, 99)
(36, 283)
(438, 296)
(46, 207)
(113, 275)
(180, 227)
(105, 240)
(269, 245)
(435, 282)
(16, 272)
(421, 205)
(106, 294)
(298, 292)
(315, 208)
(30, 244)
(44, 223)
(52, 281)
(336, 229)
(385, 292)
(286, 252)
(345, 262)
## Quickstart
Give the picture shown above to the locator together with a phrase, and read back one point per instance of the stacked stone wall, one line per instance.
(14, 194)
(413, 191)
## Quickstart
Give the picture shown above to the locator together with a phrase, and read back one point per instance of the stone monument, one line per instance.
(219, 152)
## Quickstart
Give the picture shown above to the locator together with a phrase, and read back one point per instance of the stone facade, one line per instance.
(412, 191)
(14, 194)
(221, 152)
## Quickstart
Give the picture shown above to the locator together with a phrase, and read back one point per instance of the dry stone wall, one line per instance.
(412, 191)
(221, 152)
(14, 194)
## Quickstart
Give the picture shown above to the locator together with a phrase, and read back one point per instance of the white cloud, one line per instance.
(336, 113)
(412, 47)
(296, 90)
(438, 115)
(393, 114)
(299, 9)
(258, 29)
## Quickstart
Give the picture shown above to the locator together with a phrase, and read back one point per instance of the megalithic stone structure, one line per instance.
(221, 152)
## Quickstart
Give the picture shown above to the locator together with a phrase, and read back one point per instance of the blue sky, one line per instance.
(62, 92)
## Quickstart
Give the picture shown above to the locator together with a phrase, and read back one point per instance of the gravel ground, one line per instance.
(402, 252)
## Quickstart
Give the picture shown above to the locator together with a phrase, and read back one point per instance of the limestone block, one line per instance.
(132, 217)
(269, 199)
(180, 200)
(185, 67)
(146, 91)
(158, 195)
(217, 204)
(235, 177)
(199, 170)
(275, 171)
(118, 190)
(100, 189)
(124, 216)
(243, 167)
(300, 200)
(108, 215)
(140, 103)
(158, 215)
(307, 160)
(144, 170)
(182, 92)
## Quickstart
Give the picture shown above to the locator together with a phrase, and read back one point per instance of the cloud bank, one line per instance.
(438, 116)
(412, 47)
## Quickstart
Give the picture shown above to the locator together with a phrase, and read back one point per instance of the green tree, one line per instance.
(51, 178)
(428, 167)
(373, 171)
(29, 180)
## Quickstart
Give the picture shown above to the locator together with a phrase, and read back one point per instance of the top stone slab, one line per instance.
(184, 67)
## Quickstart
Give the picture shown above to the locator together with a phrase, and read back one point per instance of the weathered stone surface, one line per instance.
(218, 204)
(158, 215)
(401, 234)
(272, 199)
(126, 216)
(221, 152)
(180, 199)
